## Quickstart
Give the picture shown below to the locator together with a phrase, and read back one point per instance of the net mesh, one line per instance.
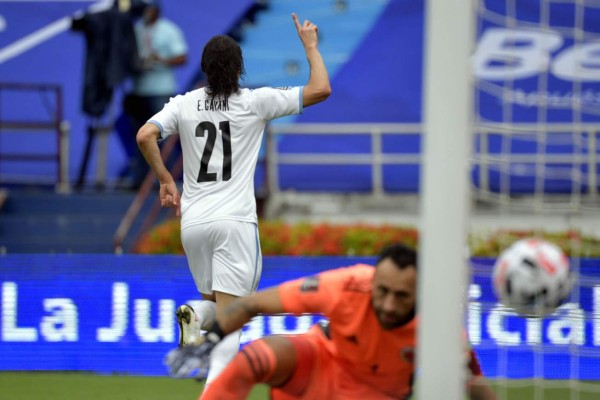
(535, 168)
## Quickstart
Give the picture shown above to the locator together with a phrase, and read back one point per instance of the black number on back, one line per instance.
(207, 126)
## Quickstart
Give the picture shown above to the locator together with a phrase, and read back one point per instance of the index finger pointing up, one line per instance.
(296, 22)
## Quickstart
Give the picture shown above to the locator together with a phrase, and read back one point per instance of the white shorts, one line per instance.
(223, 256)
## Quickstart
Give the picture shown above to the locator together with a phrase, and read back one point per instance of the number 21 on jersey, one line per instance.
(211, 129)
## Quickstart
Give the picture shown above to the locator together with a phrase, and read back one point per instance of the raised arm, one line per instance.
(318, 88)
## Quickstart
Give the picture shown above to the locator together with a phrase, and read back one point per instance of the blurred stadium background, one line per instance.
(75, 299)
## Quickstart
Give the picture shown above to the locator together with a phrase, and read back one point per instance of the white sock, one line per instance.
(206, 311)
(222, 354)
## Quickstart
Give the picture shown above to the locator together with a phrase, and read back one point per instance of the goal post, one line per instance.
(445, 201)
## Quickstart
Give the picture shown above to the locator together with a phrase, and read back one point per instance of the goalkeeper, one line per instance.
(365, 351)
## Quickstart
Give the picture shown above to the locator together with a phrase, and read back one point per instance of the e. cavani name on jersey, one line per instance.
(220, 141)
(213, 105)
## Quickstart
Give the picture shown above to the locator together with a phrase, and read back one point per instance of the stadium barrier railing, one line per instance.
(484, 158)
(575, 153)
(55, 125)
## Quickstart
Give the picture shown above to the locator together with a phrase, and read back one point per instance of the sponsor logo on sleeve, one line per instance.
(310, 284)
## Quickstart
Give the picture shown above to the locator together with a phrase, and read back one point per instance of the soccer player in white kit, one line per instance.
(220, 127)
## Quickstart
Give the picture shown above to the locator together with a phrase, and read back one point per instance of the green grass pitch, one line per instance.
(76, 386)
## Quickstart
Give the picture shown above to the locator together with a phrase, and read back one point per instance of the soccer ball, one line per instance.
(533, 277)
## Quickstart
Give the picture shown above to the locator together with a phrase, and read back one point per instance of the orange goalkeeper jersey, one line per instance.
(381, 359)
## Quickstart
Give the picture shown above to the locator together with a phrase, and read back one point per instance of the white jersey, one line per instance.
(220, 143)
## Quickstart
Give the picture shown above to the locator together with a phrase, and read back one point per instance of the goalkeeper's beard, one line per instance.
(390, 321)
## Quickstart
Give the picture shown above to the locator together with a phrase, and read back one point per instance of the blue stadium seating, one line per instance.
(380, 81)
(373, 50)
(35, 221)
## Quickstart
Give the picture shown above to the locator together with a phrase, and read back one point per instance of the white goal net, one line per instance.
(535, 172)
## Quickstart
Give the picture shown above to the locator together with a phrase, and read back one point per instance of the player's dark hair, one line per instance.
(223, 64)
(401, 255)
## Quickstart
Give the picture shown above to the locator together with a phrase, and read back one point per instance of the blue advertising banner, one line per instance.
(116, 314)
(537, 62)
(566, 345)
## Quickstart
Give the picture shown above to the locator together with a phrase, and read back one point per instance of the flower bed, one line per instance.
(322, 239)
